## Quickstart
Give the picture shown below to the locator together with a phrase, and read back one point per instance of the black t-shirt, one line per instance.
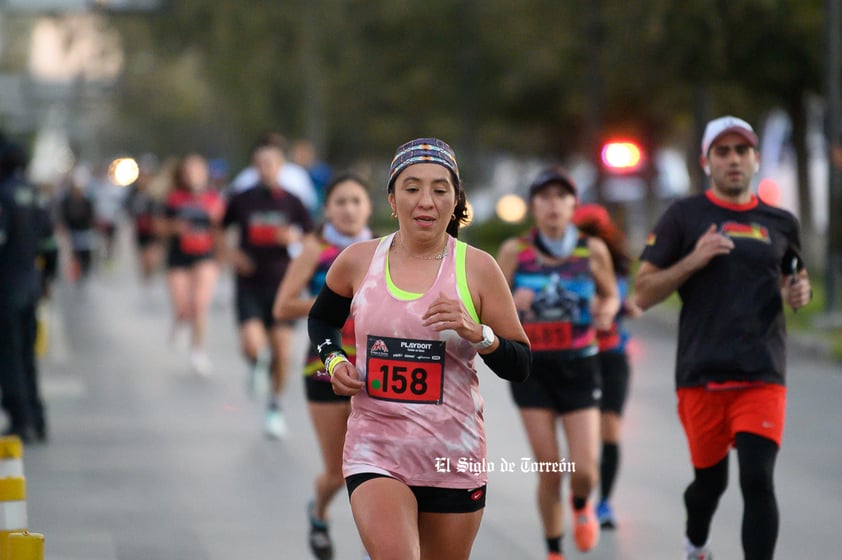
(77, 212)
(258, 213)
(143, 208)
(20, 235)
(199, 213)
(731, 327)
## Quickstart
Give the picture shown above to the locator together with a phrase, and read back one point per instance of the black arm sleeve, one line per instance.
(324, 324)
(512, 360)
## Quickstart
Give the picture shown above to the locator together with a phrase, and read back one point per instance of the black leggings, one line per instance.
(756, 456)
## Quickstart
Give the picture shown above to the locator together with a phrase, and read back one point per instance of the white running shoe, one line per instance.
(257, 379)
(200, 362)
(692, 552)
(275, 426)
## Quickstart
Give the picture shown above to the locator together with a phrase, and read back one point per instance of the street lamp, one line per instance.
(622, 156)
(123, 171)
(511, 209)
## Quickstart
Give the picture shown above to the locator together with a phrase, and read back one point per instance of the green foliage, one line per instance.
(364, 75)
(489, 235)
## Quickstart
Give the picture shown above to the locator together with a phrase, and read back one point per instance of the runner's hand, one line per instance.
(633, 311)
(346, 379)
(449, 314)
(287, 235)
(799, 292)
(711, 244)
(523, 298)
(603, 314)
(242, 263)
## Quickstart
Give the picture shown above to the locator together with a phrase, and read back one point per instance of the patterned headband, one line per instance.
(423, 150)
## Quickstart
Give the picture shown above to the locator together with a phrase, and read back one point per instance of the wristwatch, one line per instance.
(487, 338)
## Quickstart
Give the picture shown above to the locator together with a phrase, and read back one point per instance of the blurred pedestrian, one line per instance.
(347, 210)
(108, 200)
(193, 212)
(594, 220)
(144, 209)
(272, 223)
(734, 260)
(303, 153)
(291, 177)
(77, 221)
(424, 305)
(565, 290)
(22, 231)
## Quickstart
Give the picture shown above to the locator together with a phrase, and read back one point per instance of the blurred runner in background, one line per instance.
(594, 220)
(347, 210)
(272, 224)
(108, 200)
(77, 221)
(565, 290)
(291, 177)
(192, 214)
(144, 209)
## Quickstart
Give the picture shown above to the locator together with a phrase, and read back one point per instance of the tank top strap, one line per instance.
(383, 246)
(459, 252)
(582, 249)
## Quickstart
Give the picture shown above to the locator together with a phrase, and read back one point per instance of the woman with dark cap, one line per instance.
(564, 288)
(594, 220)
(424, 305)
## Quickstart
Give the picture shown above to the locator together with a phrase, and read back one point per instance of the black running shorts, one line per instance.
(257, 304)
(560, 385)
(318, 391)
(431, 499)
(614, 368)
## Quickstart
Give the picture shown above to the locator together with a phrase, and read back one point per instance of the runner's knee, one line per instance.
(710, 482)
(757, 461)
(550, 482)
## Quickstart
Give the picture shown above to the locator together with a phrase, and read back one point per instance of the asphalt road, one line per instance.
(149, 461)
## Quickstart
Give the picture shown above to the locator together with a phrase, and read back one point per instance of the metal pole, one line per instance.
(469, 80)
(595, 37)
(833, 267)
(315, 122)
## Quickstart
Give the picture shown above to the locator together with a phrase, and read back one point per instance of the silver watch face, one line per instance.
(487, 337)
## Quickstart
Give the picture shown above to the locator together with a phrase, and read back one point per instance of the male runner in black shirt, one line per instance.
(734, 260)
(271, 223)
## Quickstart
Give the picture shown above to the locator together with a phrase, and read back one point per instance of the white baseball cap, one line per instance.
(724, 125)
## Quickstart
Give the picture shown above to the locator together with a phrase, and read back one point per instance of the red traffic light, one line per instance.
(622, 156)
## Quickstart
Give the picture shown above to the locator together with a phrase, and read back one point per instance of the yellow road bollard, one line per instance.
(42, 332)
(25, 546)
(11, 456)
(12, 509)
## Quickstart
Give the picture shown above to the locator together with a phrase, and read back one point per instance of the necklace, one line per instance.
(437, 257)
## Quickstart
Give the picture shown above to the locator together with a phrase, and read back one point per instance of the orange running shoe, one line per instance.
(555, 556)
(585, 527)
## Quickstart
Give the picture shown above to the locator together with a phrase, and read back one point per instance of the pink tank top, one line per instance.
(419, 417)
